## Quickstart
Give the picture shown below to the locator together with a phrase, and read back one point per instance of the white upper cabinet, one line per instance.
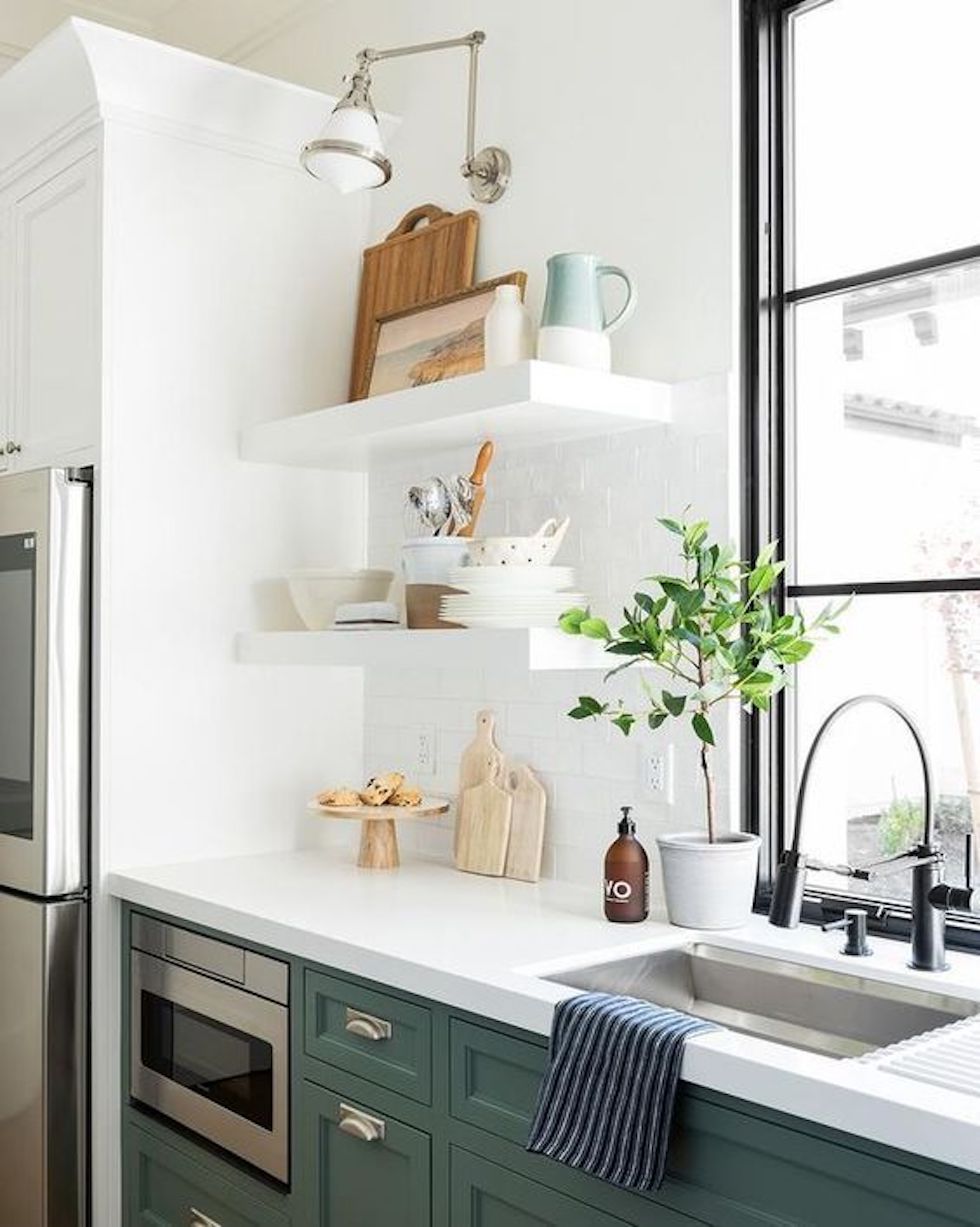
(51, 305)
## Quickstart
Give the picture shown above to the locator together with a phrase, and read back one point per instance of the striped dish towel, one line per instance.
(607, 1099)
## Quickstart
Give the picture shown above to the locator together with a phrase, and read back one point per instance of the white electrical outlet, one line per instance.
(425, 751)
(658, 774)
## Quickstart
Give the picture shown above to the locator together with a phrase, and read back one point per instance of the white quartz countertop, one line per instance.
(483, 944)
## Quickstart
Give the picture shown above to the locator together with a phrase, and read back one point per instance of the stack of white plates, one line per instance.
(509, 596)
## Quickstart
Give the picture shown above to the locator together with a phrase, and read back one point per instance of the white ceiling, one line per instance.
(224, 29)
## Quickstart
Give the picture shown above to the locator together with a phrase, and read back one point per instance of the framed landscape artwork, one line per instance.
(436, 341)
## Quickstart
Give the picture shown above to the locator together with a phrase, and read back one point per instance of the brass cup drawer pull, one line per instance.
(366, 1025)
(360, 1125)
(202, 1220)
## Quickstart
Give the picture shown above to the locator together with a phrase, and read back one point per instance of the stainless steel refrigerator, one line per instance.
(44, 801)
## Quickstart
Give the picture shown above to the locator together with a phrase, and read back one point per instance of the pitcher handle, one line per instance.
(628, 307)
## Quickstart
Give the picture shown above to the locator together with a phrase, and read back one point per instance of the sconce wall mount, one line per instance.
(349, 152)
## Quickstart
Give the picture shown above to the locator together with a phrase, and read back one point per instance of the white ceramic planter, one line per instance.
(709, 886)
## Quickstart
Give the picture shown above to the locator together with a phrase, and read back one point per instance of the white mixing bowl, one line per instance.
(318, 591)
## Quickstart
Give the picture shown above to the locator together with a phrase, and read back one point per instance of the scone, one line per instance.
(339, 796)
(406, 794)
(381, 788)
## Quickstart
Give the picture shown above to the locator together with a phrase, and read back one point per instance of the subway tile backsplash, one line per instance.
(613, 488)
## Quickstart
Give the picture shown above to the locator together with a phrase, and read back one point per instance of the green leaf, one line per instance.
(674, 702)
(644, 600)
(694, 534)
(592, 706)
(702, 728)
(672, 526)
(581, 713)
(712, 691)
(624, 722)
(572, 619)
(766, 554)
(796, 651)
(594, 628)
(656, 719)
(626, 647)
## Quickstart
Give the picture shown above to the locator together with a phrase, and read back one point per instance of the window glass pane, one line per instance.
(865, 796)
(885, 97)
(887, 430)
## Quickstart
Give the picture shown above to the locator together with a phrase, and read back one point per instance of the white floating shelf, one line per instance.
(534, 650)
(520, 405)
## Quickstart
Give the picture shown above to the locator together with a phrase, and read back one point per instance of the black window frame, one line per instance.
(765, 204)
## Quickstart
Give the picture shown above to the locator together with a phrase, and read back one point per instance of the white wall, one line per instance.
(222, 310)
(618, 118)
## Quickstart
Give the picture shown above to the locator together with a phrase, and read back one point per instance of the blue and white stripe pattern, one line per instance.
(607, 1099)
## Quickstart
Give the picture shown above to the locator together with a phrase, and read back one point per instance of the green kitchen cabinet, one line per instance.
(410, 1113)
(168, 1184)
(375, 1035)
(364, 1169)
(483, 1194)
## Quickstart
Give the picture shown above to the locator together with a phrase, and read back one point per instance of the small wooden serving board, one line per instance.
(483, 828)
(481, 760)
(417, 263)
(526, 826)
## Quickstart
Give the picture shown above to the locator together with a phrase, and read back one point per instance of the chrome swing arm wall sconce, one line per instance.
(349, 153)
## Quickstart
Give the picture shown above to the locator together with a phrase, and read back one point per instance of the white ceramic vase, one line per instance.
(508, 333)
(709, 886)
(575, 347)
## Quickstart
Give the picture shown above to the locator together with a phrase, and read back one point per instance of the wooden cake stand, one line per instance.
(379, 838)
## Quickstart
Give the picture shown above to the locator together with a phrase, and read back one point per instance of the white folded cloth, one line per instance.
(360, 613)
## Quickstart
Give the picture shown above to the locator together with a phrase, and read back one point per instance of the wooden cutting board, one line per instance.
(429, 254)
(529, 802)
(483, 829)
(481, 760)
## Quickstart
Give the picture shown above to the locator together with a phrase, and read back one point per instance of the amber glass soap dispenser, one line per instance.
(626, 880)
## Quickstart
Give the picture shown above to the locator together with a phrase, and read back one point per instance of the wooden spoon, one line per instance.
(477, 477)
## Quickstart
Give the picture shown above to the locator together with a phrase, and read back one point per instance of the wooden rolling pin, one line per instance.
(478, 477)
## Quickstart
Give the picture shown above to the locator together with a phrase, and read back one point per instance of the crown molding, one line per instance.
(301, 11)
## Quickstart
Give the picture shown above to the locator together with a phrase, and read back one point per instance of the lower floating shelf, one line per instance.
(534, 650)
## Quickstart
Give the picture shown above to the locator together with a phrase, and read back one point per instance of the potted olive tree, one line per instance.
(715, 632)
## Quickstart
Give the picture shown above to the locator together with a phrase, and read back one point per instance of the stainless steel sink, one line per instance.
(830, 1012)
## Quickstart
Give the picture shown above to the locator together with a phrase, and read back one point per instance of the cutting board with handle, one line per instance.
(481, 760)
(483, 826)
(430, 253)
(528, 805)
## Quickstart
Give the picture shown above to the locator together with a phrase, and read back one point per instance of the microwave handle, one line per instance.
(202, 1220)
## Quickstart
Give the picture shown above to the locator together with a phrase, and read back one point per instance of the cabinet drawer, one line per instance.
(364, 1168)
(494, 1080)
(483, 1194)
(383, 1039)
(167, 1188)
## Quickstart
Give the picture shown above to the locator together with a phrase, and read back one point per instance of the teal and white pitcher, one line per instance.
(574, 326)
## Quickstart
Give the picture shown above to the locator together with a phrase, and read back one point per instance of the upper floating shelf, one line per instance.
(521, 405)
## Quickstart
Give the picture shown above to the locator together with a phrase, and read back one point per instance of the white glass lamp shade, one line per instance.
(348, 153)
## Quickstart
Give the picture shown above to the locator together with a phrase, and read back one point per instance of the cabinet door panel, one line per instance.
(486, 1195)
(363, 1183)
(56, 315)
(167, 1188)
(337, 1015)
